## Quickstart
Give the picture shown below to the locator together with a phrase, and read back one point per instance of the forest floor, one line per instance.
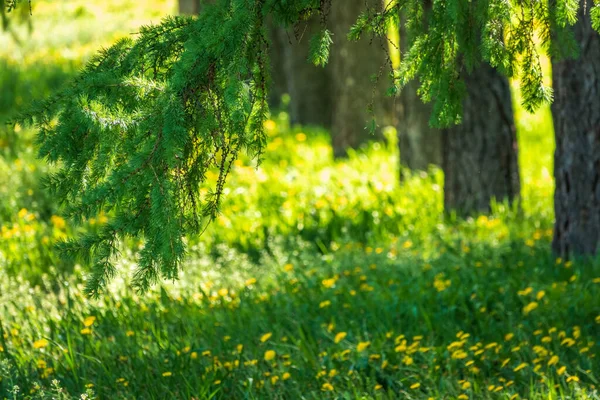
(321, 278)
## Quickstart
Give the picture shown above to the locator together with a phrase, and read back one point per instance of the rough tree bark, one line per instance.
(576, 114)
(352, 64)
(480, 155)
(420, 145)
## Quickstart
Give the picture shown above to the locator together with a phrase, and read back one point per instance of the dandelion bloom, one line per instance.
(265, 337)
(328, 387)
(250, 281)
(415, 385)
(286, 376)
(530, 307)
(167, 373)
(553, 360)
(269, 355)
(130, 333)
(86, 331)
(520, 367)
(572, 379)
(361, 346)
(88, 321)
(40, 344)
(561, 370)
(324, 304)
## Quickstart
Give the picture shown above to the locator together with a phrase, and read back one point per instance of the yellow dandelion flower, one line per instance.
(463, 397)
(286, 376)
(40, 344)
(525, 291)
(361, 346)
(327, 387)
(217, 382)
(301, 137)
(407, 360)
(269, 355)
(328, 283)
(274, 379)
(250, 281)
(130, 333)
(572, 378)
(265, 337)
(415, 385)
(530, 307)
(520, 367)
(240, 348)
(86, 331)
(561, 370)
(553, 360)
(89, 321)
(223, 292)
(339, 337)
(288, 267)
(540, 295)
(333, 373)
(465, 385)
(194, 355)
(324, 304)
(167, 373)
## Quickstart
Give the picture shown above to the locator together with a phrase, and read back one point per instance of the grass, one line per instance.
(320, 279)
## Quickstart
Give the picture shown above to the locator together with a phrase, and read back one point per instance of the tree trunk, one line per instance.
(420, 144)
(576, 113)
(189, 7)
(278, 84)
(352, 65)
(480, 155)
(307, 85)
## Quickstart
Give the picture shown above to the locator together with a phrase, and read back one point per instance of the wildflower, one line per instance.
(361, 346)
(339, 337)
(333, 373)
(167, 373)
(301, 137)
(525, 292)
(265, 337)
(130, 333)
(567, 342)
(530, 307)
(250, 281)
(240, 348)
(86, 331)
(572, 378)
(217, 382)
(223, 292)
(540, 294)
(40, 344)
(89, 321)
(286, 376)
(58, 222)
(561, 370)
(463, 397)
(377, 387)
(465, 385)
(327, 387)
(415, 385)
(269, 355)
(324, 304)
(194, 355)
(407, 360)
(274, 379)
(520, 367)
(328, 283)
(206, 353)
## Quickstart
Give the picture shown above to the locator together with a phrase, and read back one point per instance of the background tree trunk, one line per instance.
(576, 114)
(308, 85)
(352, 65)
(278, 85)
(420, 144)
(189, 7)
(480, 155)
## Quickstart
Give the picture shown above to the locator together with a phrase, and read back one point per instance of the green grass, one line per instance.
(320, 279)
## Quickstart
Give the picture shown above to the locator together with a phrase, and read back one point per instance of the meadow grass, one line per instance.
(320, 279)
